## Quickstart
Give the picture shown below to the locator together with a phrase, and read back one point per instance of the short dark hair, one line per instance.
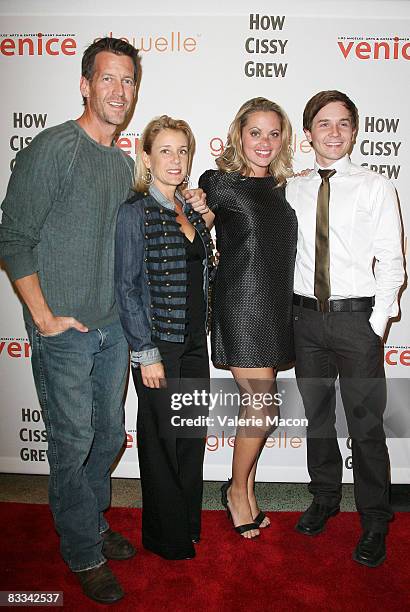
(113, 45)
(323, 98)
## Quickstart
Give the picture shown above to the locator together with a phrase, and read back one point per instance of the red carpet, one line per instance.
(281, 570)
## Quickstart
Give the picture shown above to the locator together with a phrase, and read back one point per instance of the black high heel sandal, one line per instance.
(259, 519)
(224, 500)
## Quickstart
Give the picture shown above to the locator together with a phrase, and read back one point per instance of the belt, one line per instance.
(348, 305)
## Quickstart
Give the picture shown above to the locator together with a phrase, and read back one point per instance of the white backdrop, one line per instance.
(200, 64)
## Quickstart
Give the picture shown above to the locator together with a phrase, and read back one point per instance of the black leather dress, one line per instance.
(256, 232)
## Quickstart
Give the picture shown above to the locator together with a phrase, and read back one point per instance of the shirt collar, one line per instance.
(162, 200)
(342, 166)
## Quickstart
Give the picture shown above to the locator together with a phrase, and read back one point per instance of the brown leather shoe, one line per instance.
(100, 584)
(116, 547)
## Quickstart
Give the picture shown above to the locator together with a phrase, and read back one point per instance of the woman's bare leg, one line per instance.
(251, 494)
(246, 452)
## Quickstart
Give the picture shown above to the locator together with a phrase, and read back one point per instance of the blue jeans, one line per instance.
(80, 380)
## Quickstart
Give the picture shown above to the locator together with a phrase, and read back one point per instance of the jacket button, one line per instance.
(166, 246)
(166, 273)
(169, 309)
(167, 284)
(165, 260)
(146, 211)
(169, 297)
(168, 333)
(165, 233)
(145, 258)
(161, 210)
(169, 321)
(153, 318)
(146, 223)
(146, 237)
(152, 305)
(164, 222)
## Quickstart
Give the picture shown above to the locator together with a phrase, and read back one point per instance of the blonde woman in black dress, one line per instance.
(256, 233)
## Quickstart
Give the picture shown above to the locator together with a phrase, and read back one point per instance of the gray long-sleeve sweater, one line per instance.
(59, 219)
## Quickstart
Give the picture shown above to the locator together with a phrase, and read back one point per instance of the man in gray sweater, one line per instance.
(57, 241)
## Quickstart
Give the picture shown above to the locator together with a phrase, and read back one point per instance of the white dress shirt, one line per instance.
(364, 229)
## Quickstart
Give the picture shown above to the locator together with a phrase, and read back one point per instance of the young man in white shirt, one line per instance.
(349, 269)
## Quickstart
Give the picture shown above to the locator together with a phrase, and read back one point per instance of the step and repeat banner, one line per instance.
(201, 65)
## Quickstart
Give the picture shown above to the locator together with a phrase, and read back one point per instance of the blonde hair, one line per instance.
(233, 158)
(154, 127)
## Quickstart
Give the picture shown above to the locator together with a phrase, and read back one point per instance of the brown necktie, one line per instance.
(322, 275)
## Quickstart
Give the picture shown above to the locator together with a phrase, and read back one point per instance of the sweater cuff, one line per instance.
(145, 358)
(21, 264)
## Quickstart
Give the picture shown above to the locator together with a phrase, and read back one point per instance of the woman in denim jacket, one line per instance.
(162, 260)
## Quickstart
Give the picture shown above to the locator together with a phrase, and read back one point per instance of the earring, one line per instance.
(148, 178)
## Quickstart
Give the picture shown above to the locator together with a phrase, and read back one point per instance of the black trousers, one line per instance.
(344, 344)
(171, 467)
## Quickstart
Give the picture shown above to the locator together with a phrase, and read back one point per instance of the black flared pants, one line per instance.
(171, 459)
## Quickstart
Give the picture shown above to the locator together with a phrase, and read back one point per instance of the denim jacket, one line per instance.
(150, 272)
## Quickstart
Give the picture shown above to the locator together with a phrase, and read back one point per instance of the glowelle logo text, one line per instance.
(37, 44)
(374, 49)
(173, 42)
